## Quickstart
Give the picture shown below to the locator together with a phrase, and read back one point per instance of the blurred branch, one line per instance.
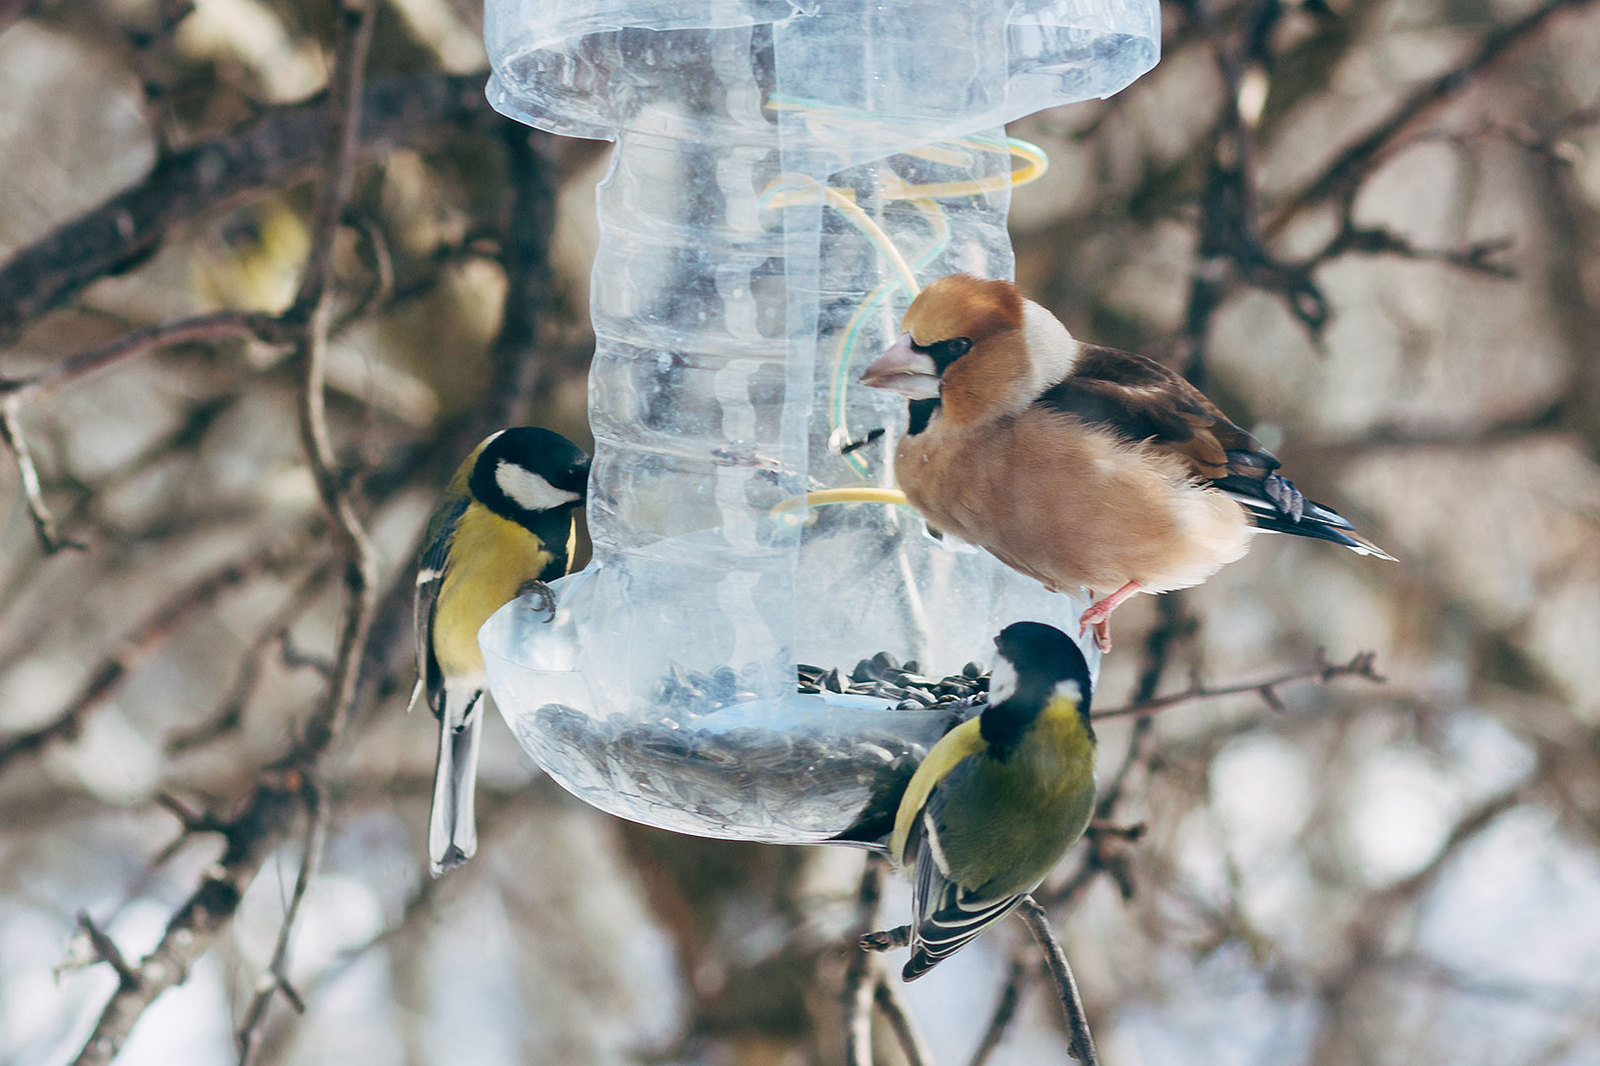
(211, 329)
(289, 783)
(231, 710)
(265, 154)
(891, 1004)
(1386, 436)
(250, 837)
(1321, 671)
(1080, 1041)
(44, 523)
(1005, 1008)
(310, 317)
(156, 629)
(276, 978)
(1355, 163)
(859, 978)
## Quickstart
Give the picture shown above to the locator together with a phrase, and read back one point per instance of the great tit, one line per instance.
(1073, 463)
(1001, 797)
(506, 523)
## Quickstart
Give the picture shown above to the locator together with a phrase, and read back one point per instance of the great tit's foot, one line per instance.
(547, 598)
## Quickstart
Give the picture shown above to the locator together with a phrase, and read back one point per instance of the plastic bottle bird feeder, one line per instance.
(785, 172)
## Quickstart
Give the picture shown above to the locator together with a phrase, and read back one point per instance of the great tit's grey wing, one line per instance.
(430, 578)
(944, 915)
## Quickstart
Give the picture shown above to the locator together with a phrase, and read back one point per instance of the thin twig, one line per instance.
(1321, 671)
(891, 1004)
(286, 787)
(154, 631)
(106, 950)
(230, 711)
(202, 329)
(276, 979)
(1080, 1040)
(859, 977)
(1005, 1009)
(44, 523)
(313, 312)
(1352, 165)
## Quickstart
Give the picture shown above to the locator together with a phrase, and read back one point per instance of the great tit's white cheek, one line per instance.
(1003, 681)
(528, 490)
(1069, 690)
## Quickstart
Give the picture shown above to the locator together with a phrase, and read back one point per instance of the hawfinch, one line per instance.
(1073, 463)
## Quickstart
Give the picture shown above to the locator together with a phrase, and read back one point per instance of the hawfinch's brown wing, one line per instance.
(1141, 401)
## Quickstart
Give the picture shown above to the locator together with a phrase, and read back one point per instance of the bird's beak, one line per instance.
(905, 370)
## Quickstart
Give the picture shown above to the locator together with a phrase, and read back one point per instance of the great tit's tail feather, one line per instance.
(452, 831)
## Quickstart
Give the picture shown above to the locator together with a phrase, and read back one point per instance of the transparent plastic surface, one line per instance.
(781, 171)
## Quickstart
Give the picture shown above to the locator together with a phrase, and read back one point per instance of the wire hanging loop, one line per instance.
(791, 190)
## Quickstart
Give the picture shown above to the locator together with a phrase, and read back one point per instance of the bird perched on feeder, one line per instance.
(1073, 463)
(505, 524)
(1001, 797)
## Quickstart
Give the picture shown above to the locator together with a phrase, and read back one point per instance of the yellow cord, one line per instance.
(789, 190)
(830, 497)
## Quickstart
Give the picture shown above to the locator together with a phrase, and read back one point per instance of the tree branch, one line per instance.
(891, 1004)
(44, 523)
(1080, 1041)
(265, 154)
(156, 629)
(1320, 671)
(1351, 166)
(287, 785)
(859, 978)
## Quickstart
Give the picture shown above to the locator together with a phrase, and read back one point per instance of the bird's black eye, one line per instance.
(943, 353)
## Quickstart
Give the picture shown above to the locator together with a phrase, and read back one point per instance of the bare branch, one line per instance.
(265, 154)
(202, 329)
(1352, 165)
(891, 1004)
(859, 978)
(251, 837)
(1080, 1041)
(1020, 974)
(312, 313)
(271, 808)
(149, 635)
(44, 524)
(1321, 671)
(276, 979)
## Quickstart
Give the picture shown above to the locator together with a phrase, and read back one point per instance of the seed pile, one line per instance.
(816, 783)
(885, 677)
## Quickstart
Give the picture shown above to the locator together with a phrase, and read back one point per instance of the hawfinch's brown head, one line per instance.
(979, 347)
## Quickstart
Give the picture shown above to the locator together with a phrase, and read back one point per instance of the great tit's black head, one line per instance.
(1036, 662)
(527, 473)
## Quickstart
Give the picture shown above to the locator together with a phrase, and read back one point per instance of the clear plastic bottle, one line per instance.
(737, 293)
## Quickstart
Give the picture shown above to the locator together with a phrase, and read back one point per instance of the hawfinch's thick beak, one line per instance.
(905, 370)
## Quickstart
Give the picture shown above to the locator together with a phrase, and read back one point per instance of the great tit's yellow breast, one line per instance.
(1009, 823)
(489, 561)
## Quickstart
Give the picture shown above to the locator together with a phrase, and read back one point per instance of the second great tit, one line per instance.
(1073, 463)
(1001, 797)
(506, 523)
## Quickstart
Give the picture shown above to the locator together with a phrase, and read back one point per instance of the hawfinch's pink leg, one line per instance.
(1098, 616)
